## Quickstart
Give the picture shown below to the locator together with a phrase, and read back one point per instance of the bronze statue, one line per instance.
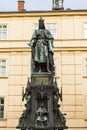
(42, 108)
(42, 49)
(22, 119)
(41, 119)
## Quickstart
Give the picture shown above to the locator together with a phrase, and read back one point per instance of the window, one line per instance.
(85, 66)
(3, 32)
(85, 106)
(35, 26)
(50, 26)
(56, 67)
(85, 30)
(2, 68)
(1, 107)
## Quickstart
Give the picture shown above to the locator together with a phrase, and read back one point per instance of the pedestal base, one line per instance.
(42, 110)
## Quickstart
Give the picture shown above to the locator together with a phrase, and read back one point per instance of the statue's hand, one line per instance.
(30, 44)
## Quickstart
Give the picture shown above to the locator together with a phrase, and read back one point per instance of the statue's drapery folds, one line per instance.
(42, 49)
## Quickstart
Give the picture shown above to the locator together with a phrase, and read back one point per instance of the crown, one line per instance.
(41, 20)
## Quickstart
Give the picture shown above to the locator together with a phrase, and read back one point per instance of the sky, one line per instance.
(33, 5)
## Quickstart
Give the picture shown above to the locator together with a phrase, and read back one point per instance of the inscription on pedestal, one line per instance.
(41, 80)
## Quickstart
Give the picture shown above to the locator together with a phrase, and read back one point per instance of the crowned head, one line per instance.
(41, 23)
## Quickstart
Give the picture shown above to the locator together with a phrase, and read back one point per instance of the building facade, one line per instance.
(69, 28)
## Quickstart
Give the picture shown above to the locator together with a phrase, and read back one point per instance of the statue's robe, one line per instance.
(42, 46)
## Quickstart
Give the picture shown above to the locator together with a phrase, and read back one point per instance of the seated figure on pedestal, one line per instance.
(42, 49)
(41, 114)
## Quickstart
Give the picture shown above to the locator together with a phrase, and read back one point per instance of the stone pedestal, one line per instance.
(42, 109)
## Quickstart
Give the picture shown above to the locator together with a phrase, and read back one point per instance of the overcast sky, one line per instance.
(11, 5)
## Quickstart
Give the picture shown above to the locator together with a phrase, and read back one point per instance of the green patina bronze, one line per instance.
(42, 95)
(42, 49)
